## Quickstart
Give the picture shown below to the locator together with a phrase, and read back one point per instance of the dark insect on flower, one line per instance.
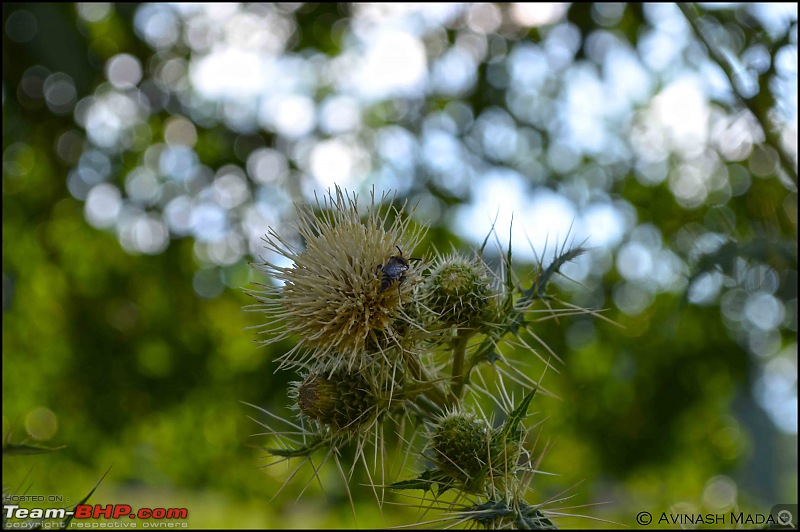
(394, 271)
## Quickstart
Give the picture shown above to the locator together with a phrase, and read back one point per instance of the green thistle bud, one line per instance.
(343, 400)
(466, 448)
(460, 445)
(459, 291)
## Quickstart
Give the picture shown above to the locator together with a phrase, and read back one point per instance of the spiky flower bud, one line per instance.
(458, 291)
(460, 445)
(468, 450)
(342, 400)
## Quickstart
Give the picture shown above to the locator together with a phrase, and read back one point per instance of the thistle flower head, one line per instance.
(460, 445)
(339, 297)
(471, 453)
(458, 290)
(342, 400)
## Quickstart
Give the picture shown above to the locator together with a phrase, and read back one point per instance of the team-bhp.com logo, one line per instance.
(117, 511)
(97, 511)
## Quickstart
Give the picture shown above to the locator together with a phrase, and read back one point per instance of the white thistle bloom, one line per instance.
(338, 299)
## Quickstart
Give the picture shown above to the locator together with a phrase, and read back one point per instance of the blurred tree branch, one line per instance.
(694, 17)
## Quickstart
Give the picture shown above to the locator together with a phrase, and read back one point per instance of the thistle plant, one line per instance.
(400, 346)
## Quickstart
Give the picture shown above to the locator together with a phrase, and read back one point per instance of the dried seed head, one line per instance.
(332, 298)
(343, 400)
(458, 290)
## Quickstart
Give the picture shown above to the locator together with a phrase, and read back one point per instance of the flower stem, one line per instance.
(427, 387)
(460, 372)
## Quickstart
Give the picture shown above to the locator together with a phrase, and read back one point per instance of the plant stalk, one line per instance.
(460, 372)
(427, 387)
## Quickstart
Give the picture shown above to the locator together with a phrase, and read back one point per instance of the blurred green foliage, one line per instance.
(144, 375)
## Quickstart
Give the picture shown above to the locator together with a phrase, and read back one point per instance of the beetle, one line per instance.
(394, 271)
